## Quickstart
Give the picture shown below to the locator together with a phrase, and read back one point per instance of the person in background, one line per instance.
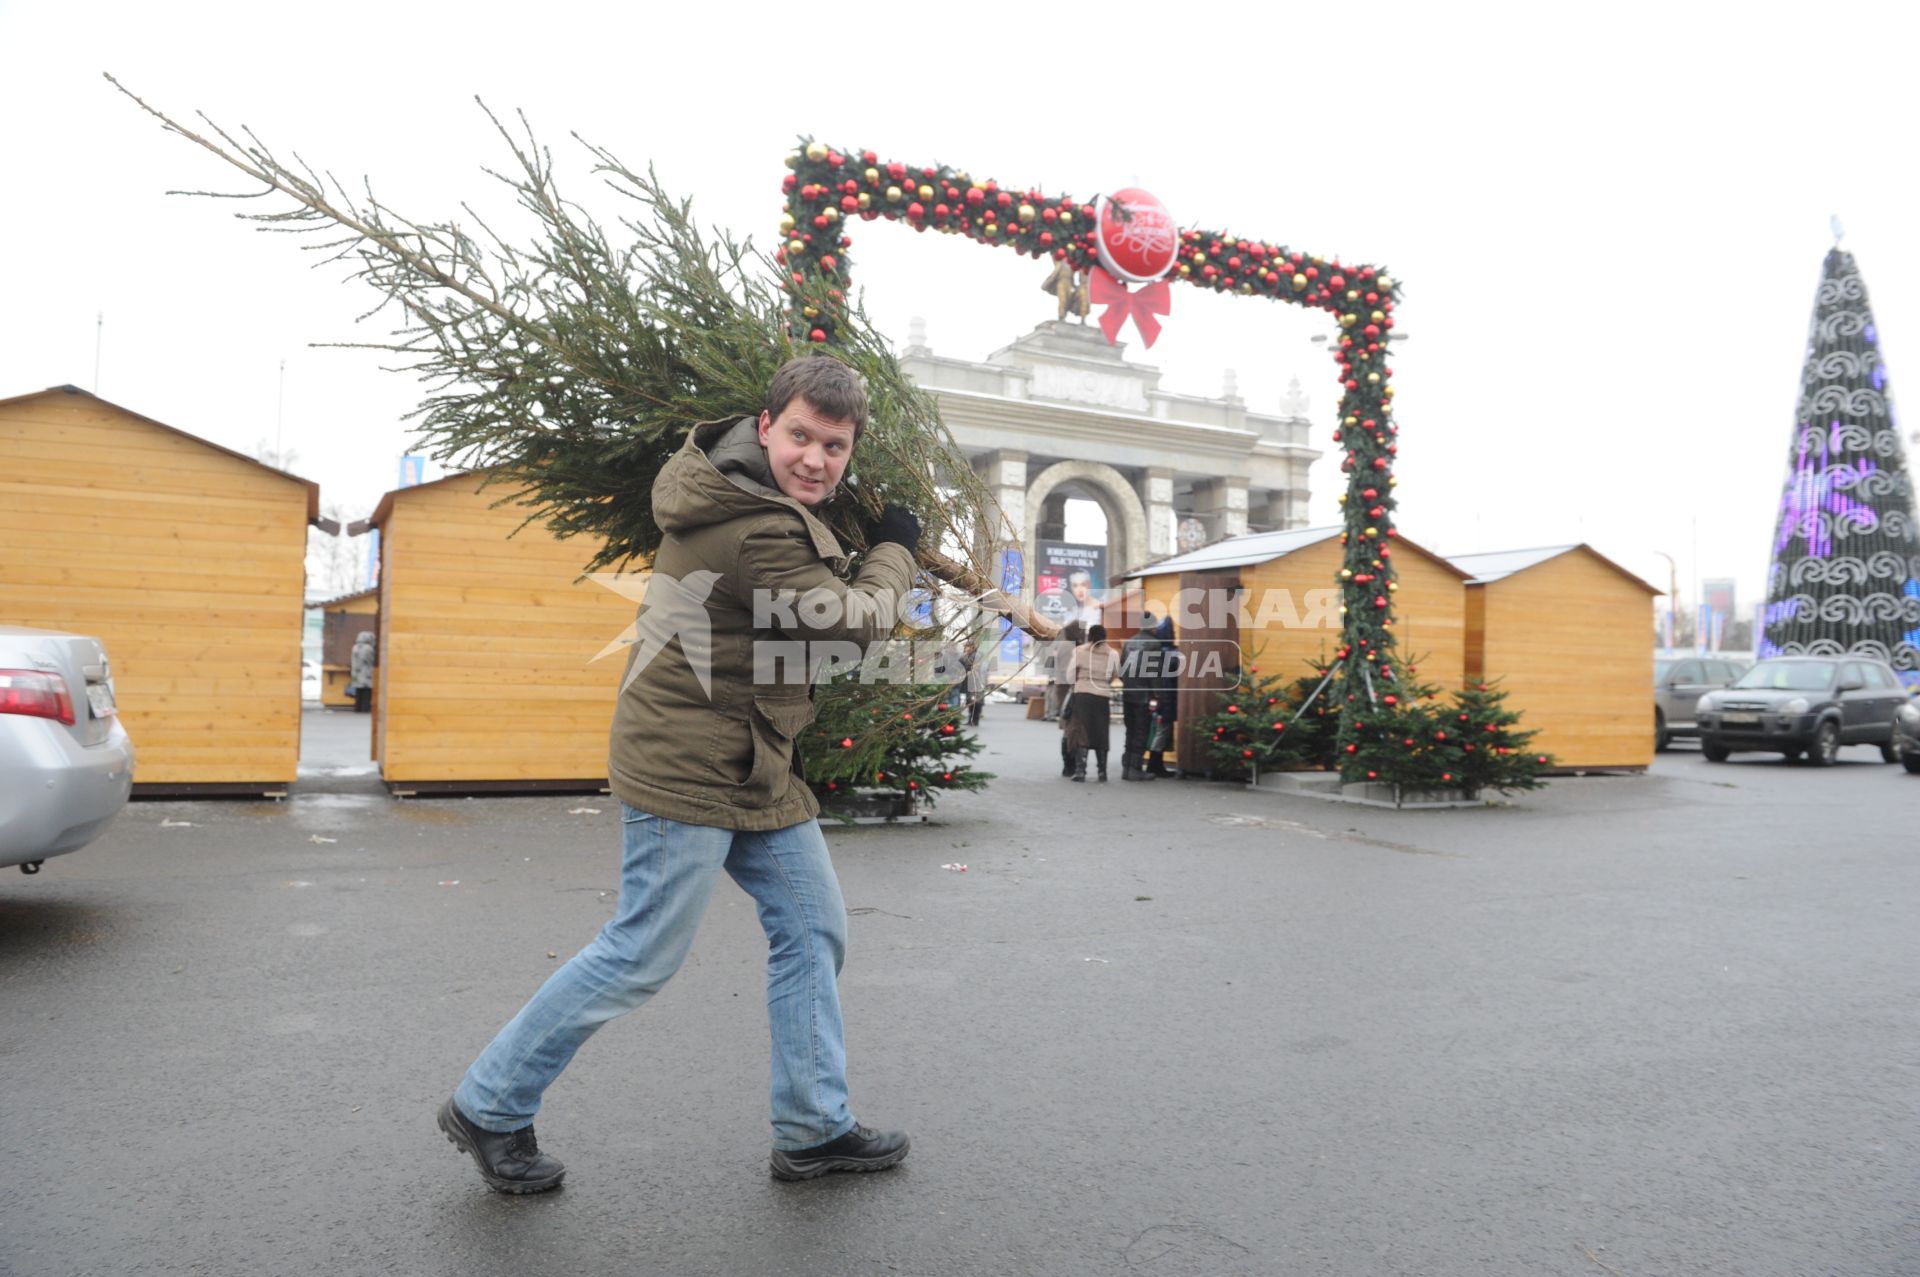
(1140, 677)
(1092, 671)
(360, 672)
(976, 664)
(1060, 686)
(1166, 700)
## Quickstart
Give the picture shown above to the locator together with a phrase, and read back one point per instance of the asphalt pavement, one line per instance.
(1631, 1025)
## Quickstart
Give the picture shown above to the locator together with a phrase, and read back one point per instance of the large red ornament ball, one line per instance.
(1140, 246)
(818, 334)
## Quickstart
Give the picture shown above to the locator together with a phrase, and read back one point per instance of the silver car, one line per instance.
(66, 764)
(1678, 684)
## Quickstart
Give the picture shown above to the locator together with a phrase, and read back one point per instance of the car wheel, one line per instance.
(1826, 745)
(1912, 763)
(1715, 753)
(1660, 738)
(1888, 754)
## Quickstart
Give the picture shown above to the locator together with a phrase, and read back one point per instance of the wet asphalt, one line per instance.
(1640, 1025)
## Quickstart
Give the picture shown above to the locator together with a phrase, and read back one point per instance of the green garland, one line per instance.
(830, 188)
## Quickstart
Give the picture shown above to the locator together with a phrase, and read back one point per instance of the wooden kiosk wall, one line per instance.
(1430, 607)
(186, 559)
(1571, 640)
(487, 645)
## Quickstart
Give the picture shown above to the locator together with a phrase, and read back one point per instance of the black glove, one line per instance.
(896, 524)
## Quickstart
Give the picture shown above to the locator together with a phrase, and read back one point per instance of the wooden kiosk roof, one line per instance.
(313, 489)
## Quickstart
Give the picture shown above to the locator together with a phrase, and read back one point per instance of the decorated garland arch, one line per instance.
(1127, 239)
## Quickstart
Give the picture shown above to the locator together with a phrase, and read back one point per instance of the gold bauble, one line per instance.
(926, 192)
(893, 193)
(811, 312)
(1026, 212)
(1392, 586)
(1353, 294)
(866, 200)
(1185, 269)
(1346, 321)
(831, 214)
(872, 175)
(792, 160)
(1346, 574)
(1246, 288)
(1373, 378)
(786, 222)
(1385, 283)
(796, 246)
(1066, 215)
(1376, 317)
(1372, 532)
(1388, 392)
(1353, 421)
(816, 151)
(1299, 283)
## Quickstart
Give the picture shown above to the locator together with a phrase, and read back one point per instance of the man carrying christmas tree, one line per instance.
(703, 763)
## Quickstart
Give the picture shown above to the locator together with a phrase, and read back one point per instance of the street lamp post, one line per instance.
(1673, 596)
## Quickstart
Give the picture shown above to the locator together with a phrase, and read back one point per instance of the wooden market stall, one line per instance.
(1292, 600)
(1568, 633)
(498, 665)
(187, 559)
(342, 621)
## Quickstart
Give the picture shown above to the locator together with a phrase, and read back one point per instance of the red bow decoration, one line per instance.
(1143, 307)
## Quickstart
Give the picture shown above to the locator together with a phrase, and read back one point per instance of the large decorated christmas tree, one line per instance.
(1845, 569)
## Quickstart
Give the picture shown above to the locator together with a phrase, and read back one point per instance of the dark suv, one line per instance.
(1812, 705)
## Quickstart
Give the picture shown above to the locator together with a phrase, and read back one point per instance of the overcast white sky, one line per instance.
(1610, 219)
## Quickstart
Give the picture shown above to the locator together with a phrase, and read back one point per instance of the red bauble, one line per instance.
(818, 334)
(846, 742)
(976, 197)
(916, 210)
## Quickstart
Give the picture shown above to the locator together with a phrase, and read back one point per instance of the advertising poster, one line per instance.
(1069, 581)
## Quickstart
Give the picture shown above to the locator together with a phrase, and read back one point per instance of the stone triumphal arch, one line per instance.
(1061, 413)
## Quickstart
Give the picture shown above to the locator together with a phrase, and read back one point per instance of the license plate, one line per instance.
(100, 697)
(1740, 718)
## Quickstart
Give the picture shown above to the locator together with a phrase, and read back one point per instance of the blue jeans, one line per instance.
(667, 874)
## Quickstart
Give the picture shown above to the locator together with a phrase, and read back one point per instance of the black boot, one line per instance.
(1157, 765)
(1102, 756)
(1127, 771)
(1140, 771)
(860, 1149)
(1066, 757)
(1080, 764)
(510, 1161)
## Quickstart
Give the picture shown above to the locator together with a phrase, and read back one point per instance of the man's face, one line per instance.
(807, 450)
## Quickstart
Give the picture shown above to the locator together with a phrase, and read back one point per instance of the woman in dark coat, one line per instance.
(1072, 635)
(1090, 705)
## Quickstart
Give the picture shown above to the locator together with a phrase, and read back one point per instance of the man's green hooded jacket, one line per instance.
(720, 749)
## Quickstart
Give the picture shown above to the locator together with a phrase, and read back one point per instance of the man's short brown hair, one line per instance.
(830, 386)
